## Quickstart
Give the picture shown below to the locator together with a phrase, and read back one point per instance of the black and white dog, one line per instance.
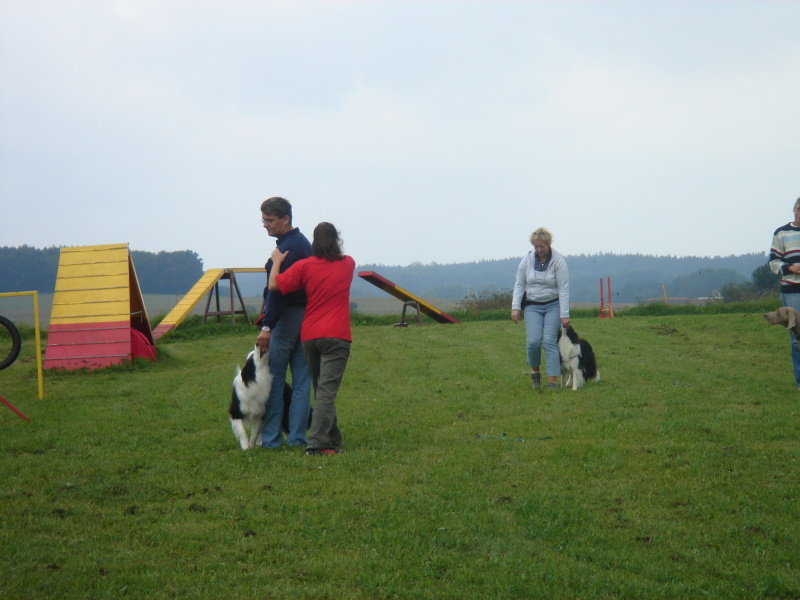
(251, 389)
(577, 359)
(249, 398)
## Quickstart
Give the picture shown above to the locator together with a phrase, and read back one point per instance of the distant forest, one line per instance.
(634, 277)
(24, 269)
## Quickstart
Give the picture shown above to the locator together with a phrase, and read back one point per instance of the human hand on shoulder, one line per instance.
(278, 256)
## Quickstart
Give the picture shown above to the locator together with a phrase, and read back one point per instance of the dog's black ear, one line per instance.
(248, 374)
(573, 335)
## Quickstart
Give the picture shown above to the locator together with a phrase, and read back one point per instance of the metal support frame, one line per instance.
(406, 305)
(230, 276)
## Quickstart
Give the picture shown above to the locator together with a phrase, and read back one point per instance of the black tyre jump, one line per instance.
(16, 343)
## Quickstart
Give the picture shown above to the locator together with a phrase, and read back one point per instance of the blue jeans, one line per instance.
(542, 323)
(286, 352)
(793, 301)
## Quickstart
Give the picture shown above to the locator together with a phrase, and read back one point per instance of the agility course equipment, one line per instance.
(207, 284)
(12, 352)
(98, 316)
(409, 299)
(606, 313)
(16, 345)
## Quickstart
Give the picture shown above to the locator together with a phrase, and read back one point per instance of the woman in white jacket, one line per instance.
(541, 293)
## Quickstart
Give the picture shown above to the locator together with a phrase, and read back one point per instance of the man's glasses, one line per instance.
(268, 221)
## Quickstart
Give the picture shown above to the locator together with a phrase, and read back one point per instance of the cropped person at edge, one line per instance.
(784, 260)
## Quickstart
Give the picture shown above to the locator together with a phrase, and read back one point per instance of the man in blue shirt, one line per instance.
(280, 332)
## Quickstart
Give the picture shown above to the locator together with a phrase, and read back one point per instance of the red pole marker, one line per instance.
(12, 407)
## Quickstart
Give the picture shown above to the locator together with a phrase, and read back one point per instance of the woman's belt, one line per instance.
(526, 302)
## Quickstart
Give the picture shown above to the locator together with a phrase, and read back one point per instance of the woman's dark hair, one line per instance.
(327, 244)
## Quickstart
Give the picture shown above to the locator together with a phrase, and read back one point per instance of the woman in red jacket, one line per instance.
(325, 333)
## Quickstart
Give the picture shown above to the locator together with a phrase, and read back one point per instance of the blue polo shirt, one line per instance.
(274, 302)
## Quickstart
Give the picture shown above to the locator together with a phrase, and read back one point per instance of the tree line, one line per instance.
(24, 268)
(763, 284)
(634, 277)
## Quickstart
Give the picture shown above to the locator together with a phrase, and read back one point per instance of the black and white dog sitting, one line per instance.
(577, 359)
(249, 398)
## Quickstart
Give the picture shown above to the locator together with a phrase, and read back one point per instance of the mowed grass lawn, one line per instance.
(674, 477)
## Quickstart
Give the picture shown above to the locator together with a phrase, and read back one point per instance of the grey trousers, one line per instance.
(327, 360)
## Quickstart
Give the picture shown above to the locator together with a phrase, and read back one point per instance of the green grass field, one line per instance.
(676, 476)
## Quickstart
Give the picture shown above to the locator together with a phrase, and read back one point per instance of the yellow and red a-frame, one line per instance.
(98, 317)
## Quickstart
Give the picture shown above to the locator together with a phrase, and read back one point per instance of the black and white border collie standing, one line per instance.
(251, 387)
(577, 359)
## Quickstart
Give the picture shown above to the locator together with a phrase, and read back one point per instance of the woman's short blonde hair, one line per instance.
(542, 234)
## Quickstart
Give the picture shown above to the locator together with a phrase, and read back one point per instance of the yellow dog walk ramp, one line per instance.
(207, 284)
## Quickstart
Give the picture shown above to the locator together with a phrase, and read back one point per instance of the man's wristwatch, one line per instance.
(265, 328)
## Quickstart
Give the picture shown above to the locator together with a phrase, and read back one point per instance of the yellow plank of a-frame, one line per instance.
(92, 285)
(77, 254)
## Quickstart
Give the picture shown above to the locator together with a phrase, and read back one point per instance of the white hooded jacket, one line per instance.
(542, 286)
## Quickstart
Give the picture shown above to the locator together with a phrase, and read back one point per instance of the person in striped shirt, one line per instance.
(784, 260)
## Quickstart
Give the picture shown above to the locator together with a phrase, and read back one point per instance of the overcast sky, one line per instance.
(432, 131)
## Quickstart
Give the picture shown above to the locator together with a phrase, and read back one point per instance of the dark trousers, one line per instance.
(327, 361)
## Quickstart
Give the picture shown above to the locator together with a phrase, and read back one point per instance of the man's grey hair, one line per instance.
(280, 207)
